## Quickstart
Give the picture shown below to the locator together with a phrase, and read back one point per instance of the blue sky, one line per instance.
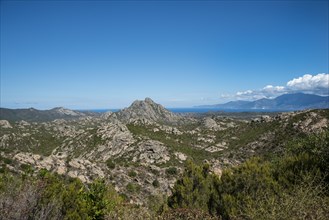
(105, 54)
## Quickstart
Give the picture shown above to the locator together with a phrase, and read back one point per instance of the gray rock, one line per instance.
(146, 111)
(152, 152)
(5, 124)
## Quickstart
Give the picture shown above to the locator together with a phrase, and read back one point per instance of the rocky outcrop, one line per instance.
(67, 112)
(313, 123)
(211, 124)
(5, 124)
(150, 152)
(180, 156)
(75, 168)
(146, 110)
(106, 115)
(117, 139)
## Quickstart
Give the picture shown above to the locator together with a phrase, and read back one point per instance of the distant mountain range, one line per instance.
(297, 101)
(32, 114)
(148, 110)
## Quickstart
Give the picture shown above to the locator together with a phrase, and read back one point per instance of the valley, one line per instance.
(143, 149)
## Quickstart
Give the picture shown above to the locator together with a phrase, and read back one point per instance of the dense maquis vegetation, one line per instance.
(49, 196)
(293, 185)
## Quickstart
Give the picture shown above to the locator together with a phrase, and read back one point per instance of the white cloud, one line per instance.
(248, 92)
(249, 95)
(309, 82)
(317, 84)
(271, 88)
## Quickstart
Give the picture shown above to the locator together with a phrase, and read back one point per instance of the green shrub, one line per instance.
(156, 183)
(26, 167)
(172, 171)
(185, 213)
(2, 169)
(7, 160)
(50, 196)
(110, 164)
(289, 186)
(132, 173)
(133, 188)
(194, 189)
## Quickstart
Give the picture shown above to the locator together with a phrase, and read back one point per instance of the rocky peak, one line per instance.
(143, 103)
(149, 100)
(146, 110)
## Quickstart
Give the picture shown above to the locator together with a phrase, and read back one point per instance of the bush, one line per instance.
(110, 164)
(308, 199)
(26, 167)
(194, 189)
(132, 188)
(132, 173)
(2, 169)
(172, 171)
(156, 183)
(292, 186)
(182, 214)
(49, 196)
(7, 160)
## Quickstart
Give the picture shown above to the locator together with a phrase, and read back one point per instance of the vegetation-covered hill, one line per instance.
(35, 115)
(200, 166)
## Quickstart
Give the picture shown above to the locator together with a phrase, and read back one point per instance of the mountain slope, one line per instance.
(146, 110)
(32, 114)
(296, 101)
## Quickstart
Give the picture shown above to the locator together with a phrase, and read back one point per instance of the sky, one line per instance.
(106, 54)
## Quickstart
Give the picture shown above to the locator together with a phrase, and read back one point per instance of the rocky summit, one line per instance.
(146, 111)
(142, 150)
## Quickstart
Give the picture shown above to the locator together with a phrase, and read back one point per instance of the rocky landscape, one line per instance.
(142, 149)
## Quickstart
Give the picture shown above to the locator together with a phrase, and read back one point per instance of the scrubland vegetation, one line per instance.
(291, 185)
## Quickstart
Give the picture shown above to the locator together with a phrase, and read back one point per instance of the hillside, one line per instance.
(148, 111)
(142, 150)
(32, 114)
(296, 101)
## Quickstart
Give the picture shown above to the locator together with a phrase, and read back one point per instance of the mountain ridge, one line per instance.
(148, 111)
(32, 114)
(295, 101)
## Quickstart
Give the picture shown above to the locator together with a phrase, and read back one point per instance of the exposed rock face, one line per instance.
(5, 124)
(76, 168)
(146, 110)
(106, 115)
(68, 112)
(210, 123)
(23, 123)
(108, 140)
(117, 139)
(180, 156)
(152, 152)
(312, 123)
